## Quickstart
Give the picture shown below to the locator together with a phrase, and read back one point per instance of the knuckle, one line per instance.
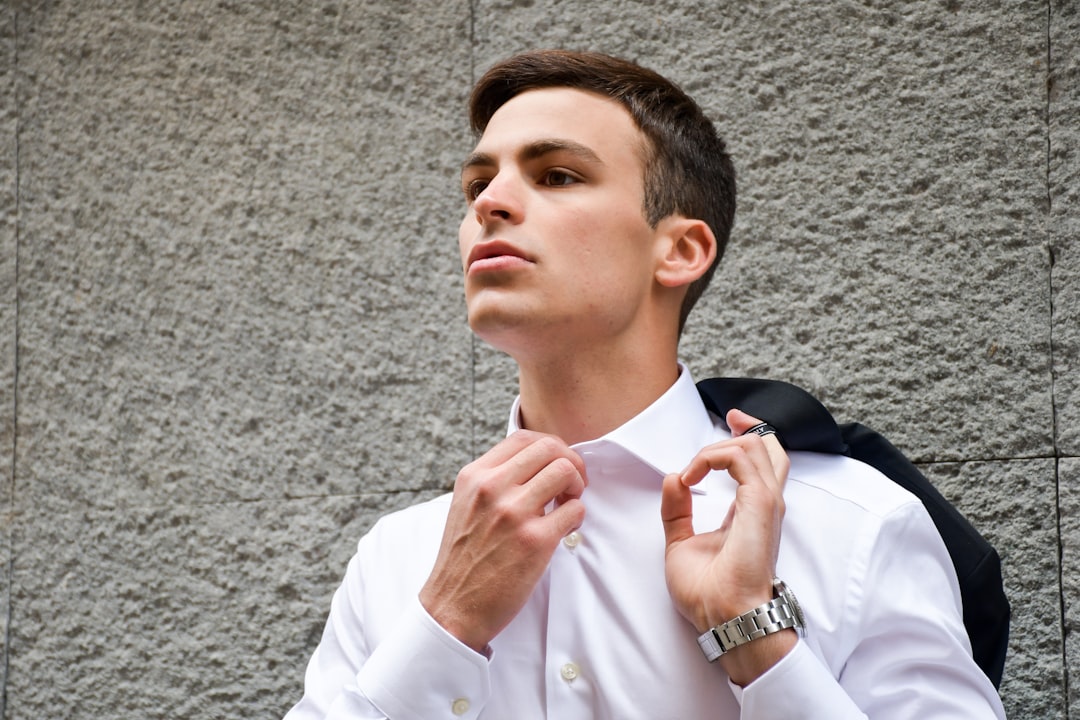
(562, 467)
(466, 473)
(549, 445)
(739, 453)
(505, 513)
(752, 439)
(486, 489)
(521, 434)
(531, 540)
(575, 515)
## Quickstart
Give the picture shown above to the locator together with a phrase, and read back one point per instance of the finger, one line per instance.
(558, 480)
(756, 448)
(758, 509)
(566, 517)
(781, 463)
(737, 457)
(524, 465)
(512, 445)
(676, 510)
(740, 422)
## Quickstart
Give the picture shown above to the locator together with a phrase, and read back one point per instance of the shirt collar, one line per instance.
(666, 435)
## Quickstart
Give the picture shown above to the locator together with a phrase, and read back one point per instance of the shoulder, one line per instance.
(848, 512)
(417, 524)
(855, 543)
(840, 481)
(393, 560)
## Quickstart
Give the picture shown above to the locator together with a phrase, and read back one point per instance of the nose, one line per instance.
(500, 200)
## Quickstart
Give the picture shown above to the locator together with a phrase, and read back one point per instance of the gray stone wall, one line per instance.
(231, 332)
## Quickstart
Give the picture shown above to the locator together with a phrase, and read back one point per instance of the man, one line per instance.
(580, 566)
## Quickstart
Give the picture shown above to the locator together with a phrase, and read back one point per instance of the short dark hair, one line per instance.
(687, 167)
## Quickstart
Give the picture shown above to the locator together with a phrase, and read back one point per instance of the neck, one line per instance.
(583, 395)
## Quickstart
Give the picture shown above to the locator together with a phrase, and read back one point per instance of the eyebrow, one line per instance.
(535, 150)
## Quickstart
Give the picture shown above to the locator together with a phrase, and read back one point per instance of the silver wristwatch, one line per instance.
(780, 613)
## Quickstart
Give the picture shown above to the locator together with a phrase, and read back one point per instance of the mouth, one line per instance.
(494, 255)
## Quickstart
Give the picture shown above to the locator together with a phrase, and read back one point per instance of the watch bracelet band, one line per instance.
(772, 617)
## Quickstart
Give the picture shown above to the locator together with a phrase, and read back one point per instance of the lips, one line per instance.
(495, 255)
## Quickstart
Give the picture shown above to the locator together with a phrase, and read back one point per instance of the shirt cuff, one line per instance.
(797, 686)
(422, 672)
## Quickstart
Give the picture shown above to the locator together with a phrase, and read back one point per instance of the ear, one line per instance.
(686, 248)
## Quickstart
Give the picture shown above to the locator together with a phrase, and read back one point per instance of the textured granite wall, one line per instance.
(231, 333)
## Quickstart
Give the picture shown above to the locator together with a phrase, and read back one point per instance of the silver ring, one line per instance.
(761, 429)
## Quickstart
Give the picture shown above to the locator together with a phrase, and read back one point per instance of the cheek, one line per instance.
(466, 231)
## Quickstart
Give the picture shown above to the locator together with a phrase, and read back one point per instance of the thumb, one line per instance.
(676, 510)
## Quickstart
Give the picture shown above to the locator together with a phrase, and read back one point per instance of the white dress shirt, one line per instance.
(600, 639)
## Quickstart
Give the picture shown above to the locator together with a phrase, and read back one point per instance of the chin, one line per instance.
(504, 331)
(490, 311)
(490, 326)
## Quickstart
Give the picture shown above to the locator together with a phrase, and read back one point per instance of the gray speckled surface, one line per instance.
(8, 313)
(1069, 470)
(241, 339)
(1007, 500)
(1064, 189)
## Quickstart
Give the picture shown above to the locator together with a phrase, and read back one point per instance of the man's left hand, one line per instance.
(716, 576)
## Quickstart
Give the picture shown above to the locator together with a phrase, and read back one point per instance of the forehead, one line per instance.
(564, 114)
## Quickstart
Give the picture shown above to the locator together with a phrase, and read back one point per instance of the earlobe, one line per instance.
(687, 250)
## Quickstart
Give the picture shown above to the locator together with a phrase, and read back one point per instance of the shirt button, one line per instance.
(459, 706)
(570, 671)
(572, 540)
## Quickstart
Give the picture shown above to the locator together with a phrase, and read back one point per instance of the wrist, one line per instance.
(747, 663)
(751, 643)
(468, 633)
(731, 607)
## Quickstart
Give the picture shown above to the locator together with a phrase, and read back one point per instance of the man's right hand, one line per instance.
(498, 538)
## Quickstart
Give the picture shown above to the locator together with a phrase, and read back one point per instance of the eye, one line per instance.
(473, 188)
(558, 178)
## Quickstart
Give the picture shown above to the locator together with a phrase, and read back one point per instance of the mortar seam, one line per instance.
(472, 336)
(10, 569)
(1053, 366)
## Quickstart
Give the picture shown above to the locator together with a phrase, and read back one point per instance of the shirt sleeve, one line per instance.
(909, 657)
(416, 671)
(423, 672)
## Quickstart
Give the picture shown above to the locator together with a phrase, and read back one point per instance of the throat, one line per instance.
(586, 405)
